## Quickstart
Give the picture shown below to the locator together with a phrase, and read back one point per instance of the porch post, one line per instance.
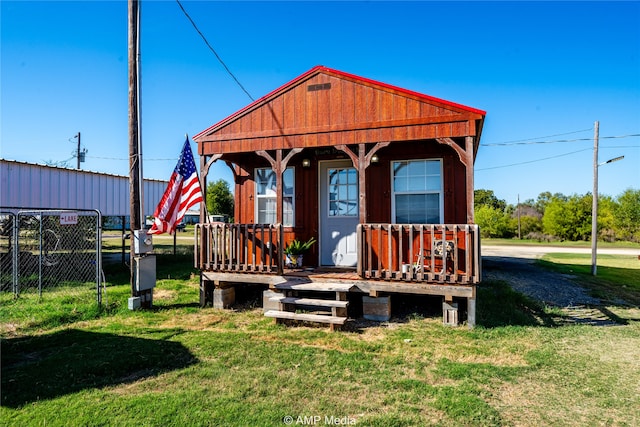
(362, 183)
(278, 169)
(362, 162)
(203, 185)
(471, 309)
(279, 165)
(469, 181)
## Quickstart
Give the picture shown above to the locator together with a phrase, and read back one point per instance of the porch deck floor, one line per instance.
(324, 273)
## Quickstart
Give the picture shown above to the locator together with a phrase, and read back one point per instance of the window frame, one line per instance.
(440, 192)
(258, 197)
(356, 199)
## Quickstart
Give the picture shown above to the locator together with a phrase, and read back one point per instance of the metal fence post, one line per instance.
(15, 246)
(98, 255)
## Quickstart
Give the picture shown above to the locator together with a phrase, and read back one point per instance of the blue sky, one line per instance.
(543, 71)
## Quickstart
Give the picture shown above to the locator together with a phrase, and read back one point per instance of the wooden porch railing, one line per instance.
(435, 253)
(255, 248)
(438, 253)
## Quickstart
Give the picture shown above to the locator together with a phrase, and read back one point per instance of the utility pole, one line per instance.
(78, 152)
(134, 117)
(594, 209)
(519, 229)
(142, 260)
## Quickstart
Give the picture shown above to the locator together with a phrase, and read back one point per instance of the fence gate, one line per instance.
(51, 252)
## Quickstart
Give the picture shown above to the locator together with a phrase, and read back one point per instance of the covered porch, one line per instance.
(381, 178)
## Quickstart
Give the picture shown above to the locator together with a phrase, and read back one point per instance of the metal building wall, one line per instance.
(32, 186)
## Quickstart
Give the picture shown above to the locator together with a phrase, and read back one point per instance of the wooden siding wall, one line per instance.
(306, 200)
(346, 113)
(378, 188)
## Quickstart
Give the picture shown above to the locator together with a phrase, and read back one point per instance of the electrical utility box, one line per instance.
(145, 272)
(142, 242)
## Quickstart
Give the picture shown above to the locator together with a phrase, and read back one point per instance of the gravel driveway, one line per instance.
(526, 277)
(516, 265)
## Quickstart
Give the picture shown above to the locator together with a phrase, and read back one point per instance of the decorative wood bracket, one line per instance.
(205, 170)
(279, 165)
(361, 162)
(462, 154)
(355, 158)
(466, 158)
(279, 160)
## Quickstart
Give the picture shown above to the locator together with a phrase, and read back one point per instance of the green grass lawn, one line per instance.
(182, 365)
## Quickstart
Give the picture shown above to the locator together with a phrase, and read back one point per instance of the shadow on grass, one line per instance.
(499, 305)
(50, 366)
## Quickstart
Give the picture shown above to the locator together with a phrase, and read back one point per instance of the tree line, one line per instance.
(559, 217)
(547, 218)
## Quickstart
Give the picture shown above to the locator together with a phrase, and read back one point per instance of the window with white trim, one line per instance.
(417, 192)
(266, 184)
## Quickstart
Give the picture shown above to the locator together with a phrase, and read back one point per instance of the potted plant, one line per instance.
(295, 250)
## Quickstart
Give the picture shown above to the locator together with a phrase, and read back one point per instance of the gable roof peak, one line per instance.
(342, 75)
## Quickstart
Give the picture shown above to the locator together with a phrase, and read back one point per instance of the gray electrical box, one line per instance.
(142, 242)
(145, 272)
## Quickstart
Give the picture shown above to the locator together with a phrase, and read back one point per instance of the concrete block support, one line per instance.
(450, 313)
(270, 300)
(224, 298)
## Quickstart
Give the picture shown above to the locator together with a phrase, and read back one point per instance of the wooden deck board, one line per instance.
(313, 302)
(306, 317)
(316, 286)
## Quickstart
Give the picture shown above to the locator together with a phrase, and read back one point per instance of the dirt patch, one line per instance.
(164, 294)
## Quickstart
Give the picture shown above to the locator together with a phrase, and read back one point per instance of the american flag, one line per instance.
(182, 192)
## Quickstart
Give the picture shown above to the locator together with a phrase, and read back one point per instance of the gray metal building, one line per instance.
(32, 186)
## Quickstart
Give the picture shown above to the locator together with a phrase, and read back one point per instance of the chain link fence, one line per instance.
(51, 254)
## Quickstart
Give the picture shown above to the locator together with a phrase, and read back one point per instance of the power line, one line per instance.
(622, 146)
(530, 142)
(533, 161)
(117, 158)
(214, 51)
(541, 137)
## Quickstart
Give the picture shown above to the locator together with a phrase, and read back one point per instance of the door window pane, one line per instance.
(343, 192)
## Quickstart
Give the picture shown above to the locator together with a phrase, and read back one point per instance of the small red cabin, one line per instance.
(381, 177)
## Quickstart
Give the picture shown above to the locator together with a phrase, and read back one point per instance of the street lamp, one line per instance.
(594, 213)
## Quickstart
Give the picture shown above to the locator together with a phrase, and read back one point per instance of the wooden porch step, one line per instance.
(306, 317)
(315, 286)
(312, 302)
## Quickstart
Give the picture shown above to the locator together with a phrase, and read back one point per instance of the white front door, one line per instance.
(339, 213)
